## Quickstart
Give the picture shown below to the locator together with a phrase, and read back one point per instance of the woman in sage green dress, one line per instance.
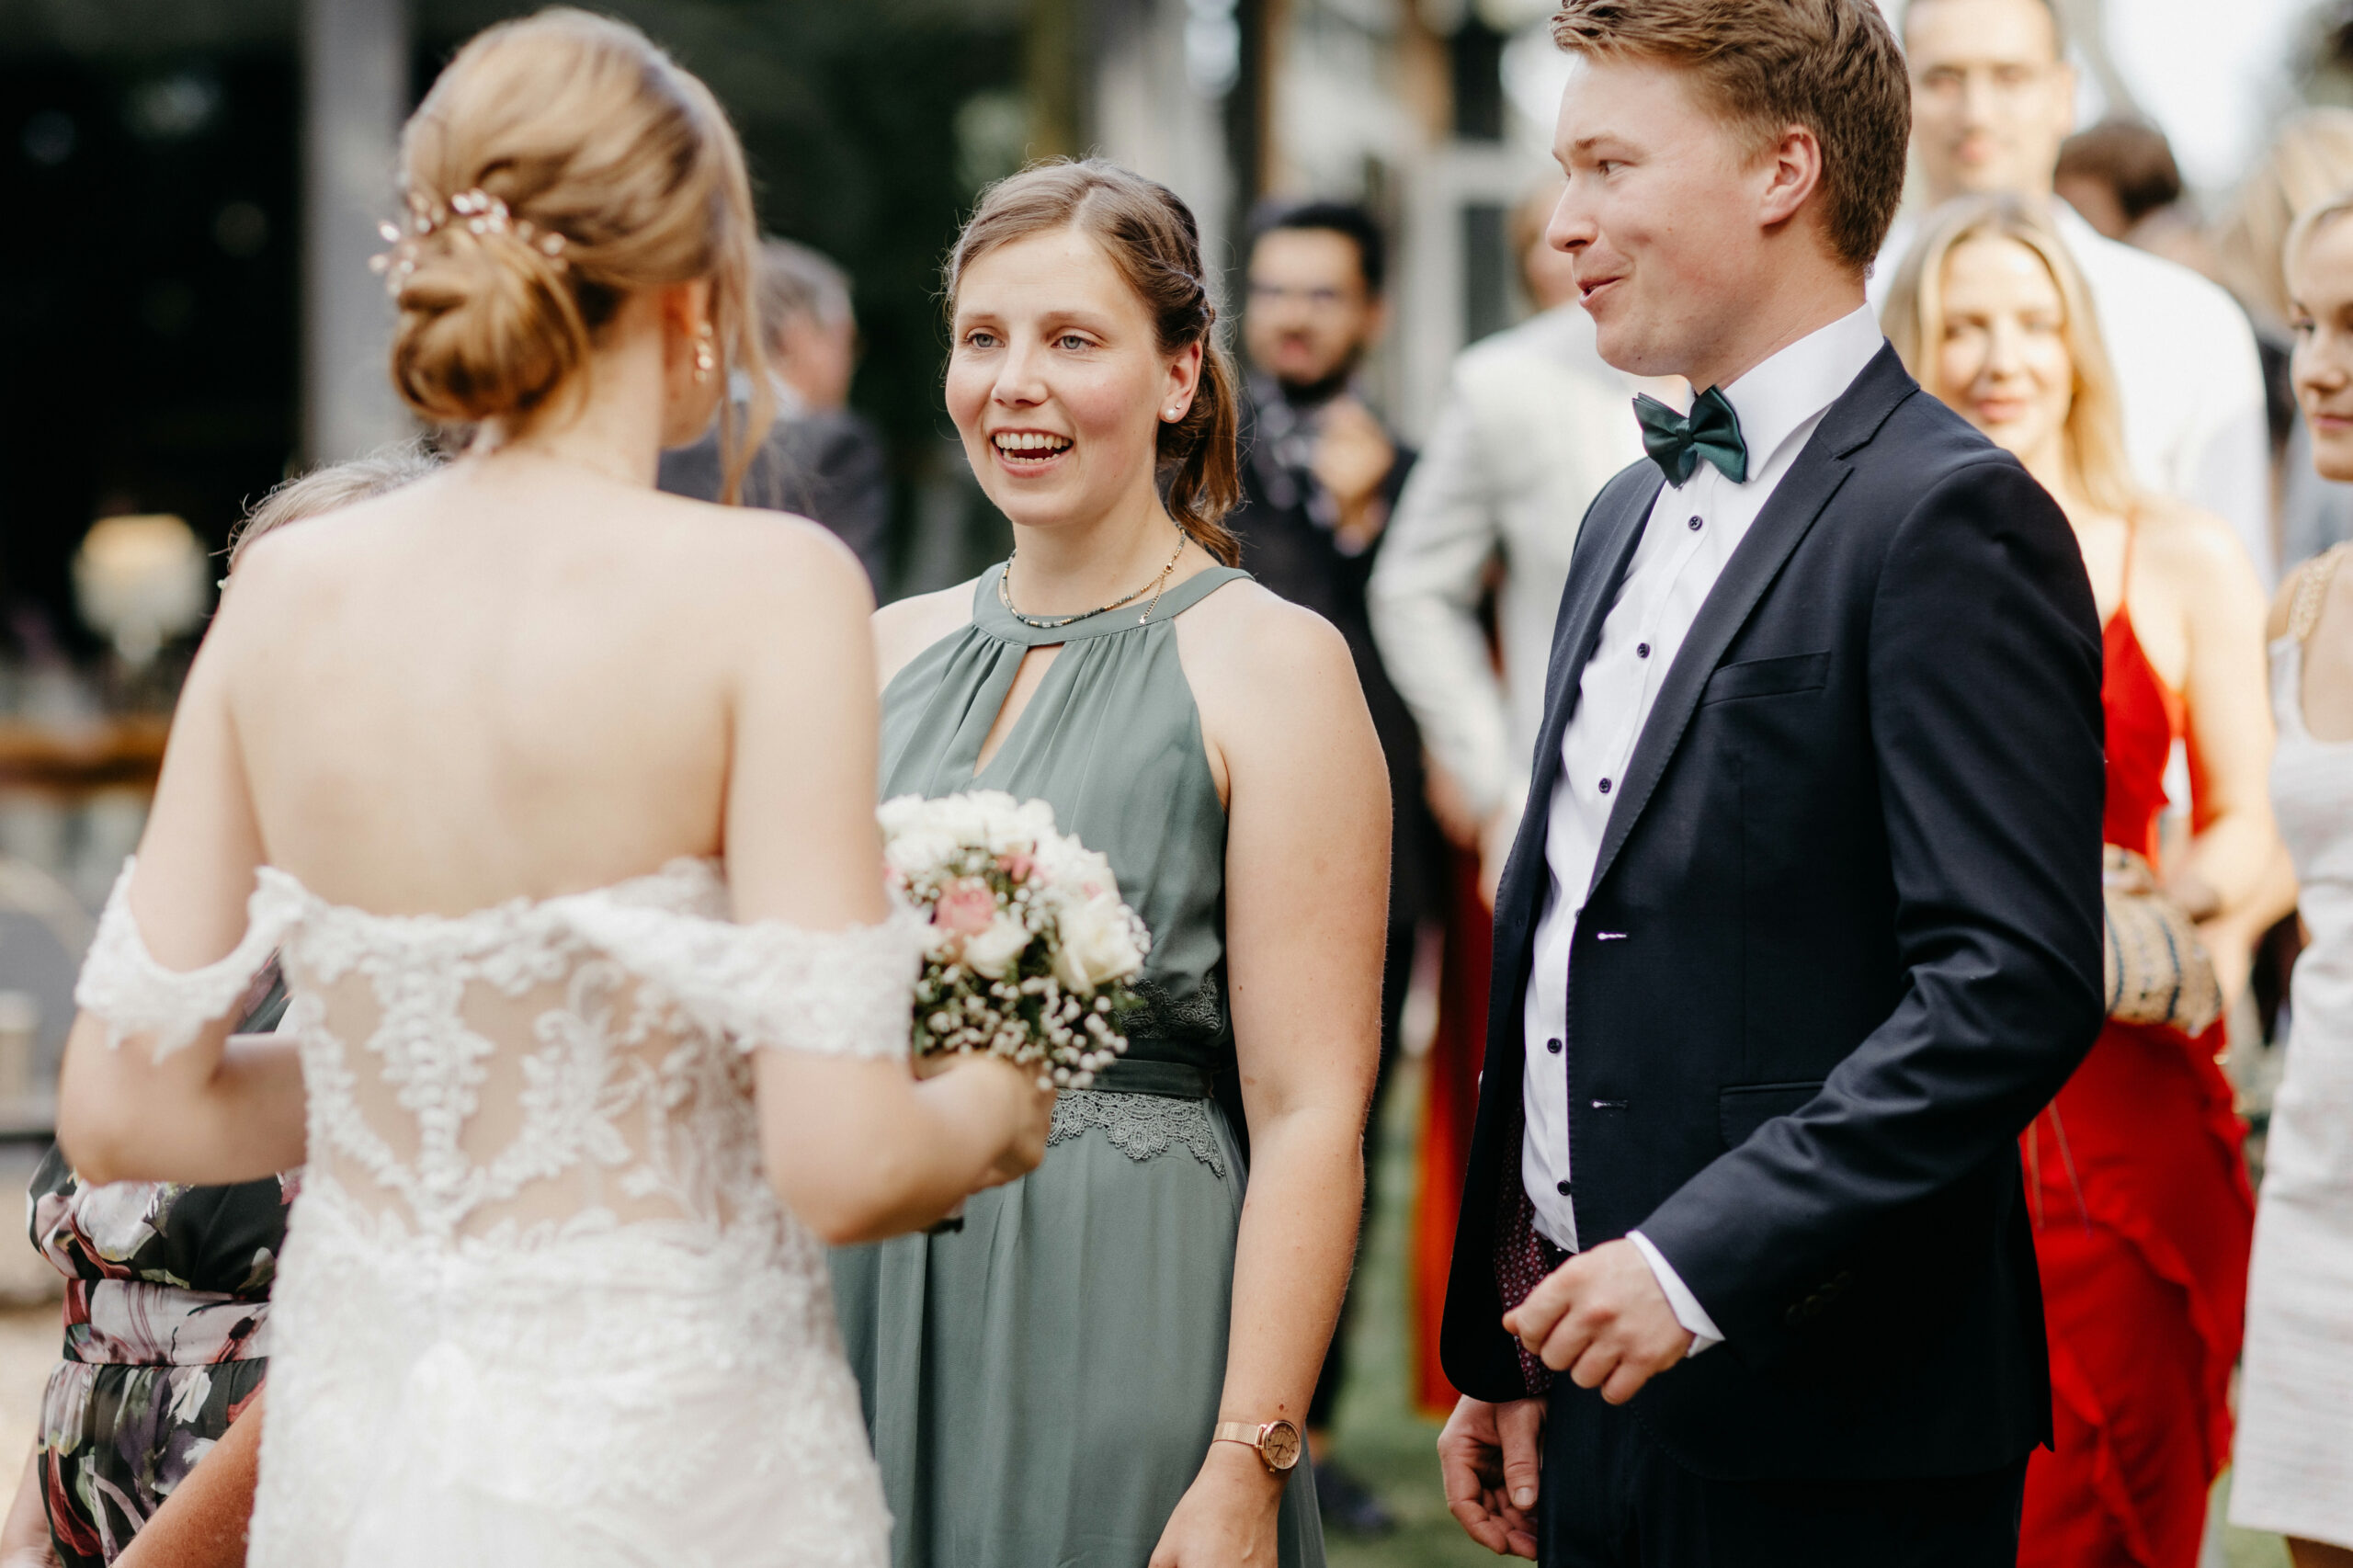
(1105, 1367)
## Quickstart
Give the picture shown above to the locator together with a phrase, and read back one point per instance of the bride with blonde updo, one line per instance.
(554, 795)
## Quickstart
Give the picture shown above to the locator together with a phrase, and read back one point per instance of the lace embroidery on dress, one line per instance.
(1142, 1126)
(122, 984)
(843, 993)
(1164, 1017)
(538, 1287)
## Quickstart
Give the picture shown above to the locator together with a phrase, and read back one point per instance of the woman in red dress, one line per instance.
(2142, 1215)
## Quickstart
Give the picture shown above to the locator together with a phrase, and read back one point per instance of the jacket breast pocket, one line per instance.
(1781, 676)
(1741, 1108)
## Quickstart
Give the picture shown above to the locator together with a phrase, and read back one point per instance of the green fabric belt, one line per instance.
(1172, 1080)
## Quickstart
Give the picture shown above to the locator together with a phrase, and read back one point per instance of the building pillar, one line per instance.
(355, 80)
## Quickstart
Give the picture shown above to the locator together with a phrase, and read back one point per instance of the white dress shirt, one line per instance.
(1692, 530)
(1534, 425)
(2187, 372)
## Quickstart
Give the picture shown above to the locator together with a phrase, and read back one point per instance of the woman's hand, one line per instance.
(1226, 1518)
(1030, 1110)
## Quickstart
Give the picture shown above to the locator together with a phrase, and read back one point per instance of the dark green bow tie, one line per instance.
(1677, 442)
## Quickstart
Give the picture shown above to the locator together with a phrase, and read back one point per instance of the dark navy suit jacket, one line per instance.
(1855, 860)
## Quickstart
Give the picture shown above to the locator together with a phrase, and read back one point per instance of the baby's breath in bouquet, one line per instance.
(1031, 949)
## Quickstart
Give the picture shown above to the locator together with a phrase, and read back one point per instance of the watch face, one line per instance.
(1279, 1445)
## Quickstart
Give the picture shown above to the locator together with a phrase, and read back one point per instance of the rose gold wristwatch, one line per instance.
(1276, 1441)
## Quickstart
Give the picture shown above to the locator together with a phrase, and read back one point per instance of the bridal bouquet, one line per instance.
(1030, 950)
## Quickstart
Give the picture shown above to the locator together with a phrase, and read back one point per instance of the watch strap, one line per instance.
(1247, 1433)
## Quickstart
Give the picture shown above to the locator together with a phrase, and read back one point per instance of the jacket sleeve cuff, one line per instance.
(1688, 1310)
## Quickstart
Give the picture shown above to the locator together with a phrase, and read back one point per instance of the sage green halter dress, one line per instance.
(1040, 1385)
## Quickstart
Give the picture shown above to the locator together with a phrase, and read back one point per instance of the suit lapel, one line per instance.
(1791, 513)
(1605, 546)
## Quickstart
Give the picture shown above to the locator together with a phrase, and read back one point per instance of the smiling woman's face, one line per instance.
(1056, 381)
(2004, 364)
(2320, 278)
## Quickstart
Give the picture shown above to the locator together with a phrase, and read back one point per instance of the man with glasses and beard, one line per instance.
(1320, 474)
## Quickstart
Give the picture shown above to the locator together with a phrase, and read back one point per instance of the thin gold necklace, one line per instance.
(1158, 586)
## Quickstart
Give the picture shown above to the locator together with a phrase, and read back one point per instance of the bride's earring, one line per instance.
(706, 353)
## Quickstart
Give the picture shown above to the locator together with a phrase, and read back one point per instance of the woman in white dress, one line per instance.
(2295, 1447)
(492, 761)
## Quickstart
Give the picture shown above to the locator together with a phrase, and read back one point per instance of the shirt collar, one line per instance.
(1775, 398)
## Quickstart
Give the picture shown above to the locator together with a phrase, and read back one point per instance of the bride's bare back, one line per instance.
(517, 678)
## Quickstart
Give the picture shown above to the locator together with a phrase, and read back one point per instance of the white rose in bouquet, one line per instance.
(993, 951)
(1098, 944)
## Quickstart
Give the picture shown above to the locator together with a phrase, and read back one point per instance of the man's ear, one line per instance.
(1376, 321)
(1793, 173)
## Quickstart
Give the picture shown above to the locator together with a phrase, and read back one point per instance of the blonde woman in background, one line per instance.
(2134, 1180)
(557, 796)
(2294, 1468)
(2310, 163)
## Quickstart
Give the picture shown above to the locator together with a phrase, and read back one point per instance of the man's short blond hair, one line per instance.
(1829, 65)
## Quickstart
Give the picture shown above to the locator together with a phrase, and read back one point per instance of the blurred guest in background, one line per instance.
(2309, 163)
(1993, 96)
(2120, 177)
(2295, 1470)
(1534, 422)
(167, 1290)
(2135, 1182)
(822, 458)
(1320, 475)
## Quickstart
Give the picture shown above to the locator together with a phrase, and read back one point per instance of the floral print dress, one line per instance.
(166, 1335)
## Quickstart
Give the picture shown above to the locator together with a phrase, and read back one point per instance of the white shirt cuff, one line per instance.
(1688, 1310)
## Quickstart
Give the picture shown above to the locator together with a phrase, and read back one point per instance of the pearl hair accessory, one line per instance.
(479, 212)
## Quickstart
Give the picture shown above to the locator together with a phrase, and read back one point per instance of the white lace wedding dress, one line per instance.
(539, 1304)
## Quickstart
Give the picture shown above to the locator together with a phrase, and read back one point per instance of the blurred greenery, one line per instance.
(1376, 1432)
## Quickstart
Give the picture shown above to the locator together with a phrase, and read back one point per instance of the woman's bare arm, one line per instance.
(214, 1112)
(1307, 901)
(202, 1523)
(857, 1148)
(24, 1539)
(2227, 692)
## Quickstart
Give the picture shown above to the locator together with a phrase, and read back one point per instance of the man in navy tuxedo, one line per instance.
(1802, 923)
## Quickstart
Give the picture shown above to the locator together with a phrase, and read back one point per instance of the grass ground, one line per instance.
(1378, 1436)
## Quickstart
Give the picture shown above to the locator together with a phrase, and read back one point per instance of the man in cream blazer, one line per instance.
(1533, 425)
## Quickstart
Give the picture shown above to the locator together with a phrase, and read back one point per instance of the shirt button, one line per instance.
(1605, 786)
(1642, 650)
(1561, 1188)
(1553, 1046)
(1695, 524)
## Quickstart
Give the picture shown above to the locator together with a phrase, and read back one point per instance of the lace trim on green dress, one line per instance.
(1142, 1126)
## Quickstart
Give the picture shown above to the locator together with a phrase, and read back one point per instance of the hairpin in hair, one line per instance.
(479, 211)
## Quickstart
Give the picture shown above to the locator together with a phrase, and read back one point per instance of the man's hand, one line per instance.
(1601, 1318)
(1487, 1457)
(1353, 456)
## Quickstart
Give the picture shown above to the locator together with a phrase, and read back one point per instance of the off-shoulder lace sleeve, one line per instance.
(842, 992)
(123, 985)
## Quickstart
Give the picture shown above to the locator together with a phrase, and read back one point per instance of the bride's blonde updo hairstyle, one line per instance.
(1153, 241)
(561, 163)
